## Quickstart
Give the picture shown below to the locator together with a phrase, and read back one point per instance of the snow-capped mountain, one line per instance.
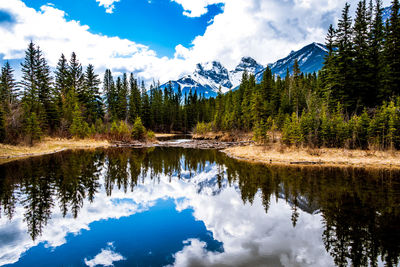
(205, 80)
(246, 63)
(209, 77)
(310, 59)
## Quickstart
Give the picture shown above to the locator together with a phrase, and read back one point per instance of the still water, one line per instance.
(188, 207)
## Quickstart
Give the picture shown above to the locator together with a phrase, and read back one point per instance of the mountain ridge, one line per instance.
(209, 77)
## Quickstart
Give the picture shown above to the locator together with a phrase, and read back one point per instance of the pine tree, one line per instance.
(79, 128)
(134, 99)
(296, 88)
(8, 90)
(393, 50)
(375, 56)
(122, 97)
(145, 109)
(30, 85)
(344, 91)
(61, 85)
(50, 116)
(75, 74)
(363, 90)
(94, 104)
(111, 95)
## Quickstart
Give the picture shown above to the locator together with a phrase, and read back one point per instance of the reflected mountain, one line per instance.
(353, 214)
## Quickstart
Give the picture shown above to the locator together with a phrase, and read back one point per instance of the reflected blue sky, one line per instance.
(149, 238)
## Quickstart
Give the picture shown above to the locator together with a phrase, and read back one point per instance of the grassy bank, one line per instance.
(281, 155)
(47, 146)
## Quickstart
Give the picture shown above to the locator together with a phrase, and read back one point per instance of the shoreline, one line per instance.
(48, 146)
(319, 157)
(245, 151)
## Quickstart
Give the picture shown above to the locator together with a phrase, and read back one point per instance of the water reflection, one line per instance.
(218, 211)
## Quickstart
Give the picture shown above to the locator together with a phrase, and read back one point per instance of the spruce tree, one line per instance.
(30, 85)
(50, 116)
(93, 102)
(145, 108)
(111, 95)
(79, 128)
(296, 87)
(393, 50)
(8, 90)
(75, 75)
(122, 97)
(362, 88)
(376, 56)
(328, 71)
(61, 85)
(134, 99)
(344, 91)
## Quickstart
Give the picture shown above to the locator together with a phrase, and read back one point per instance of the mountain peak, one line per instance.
(209, 76)
(249, 64)
(212, 66)
(310, 59)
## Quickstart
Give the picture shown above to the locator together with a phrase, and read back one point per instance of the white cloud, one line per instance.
(50, 29)
(106, 257)
(108, 5)
(196, 8)
(252, 237)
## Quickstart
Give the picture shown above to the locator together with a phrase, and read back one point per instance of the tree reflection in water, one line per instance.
(360, 208)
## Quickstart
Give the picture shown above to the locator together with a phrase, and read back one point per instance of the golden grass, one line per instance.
(281, 155)
(47, 146)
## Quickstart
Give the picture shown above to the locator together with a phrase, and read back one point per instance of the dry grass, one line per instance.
(167, 134)
(282, 155)
(234, 136)
(47, 146)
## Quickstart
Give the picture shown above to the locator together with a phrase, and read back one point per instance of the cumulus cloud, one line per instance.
(50, 29)
(263, 29)
(196, 8)
(106, 257)
(252, 237)
(108, 5)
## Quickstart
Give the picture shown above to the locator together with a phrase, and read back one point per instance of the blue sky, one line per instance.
(160, 24)
(163, 39)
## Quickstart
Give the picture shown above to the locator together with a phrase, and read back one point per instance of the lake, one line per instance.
(188, 207)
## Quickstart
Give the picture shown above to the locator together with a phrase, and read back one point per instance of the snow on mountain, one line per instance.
(205, 80)
(310, 59)
(209, 77)
(247, 63)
